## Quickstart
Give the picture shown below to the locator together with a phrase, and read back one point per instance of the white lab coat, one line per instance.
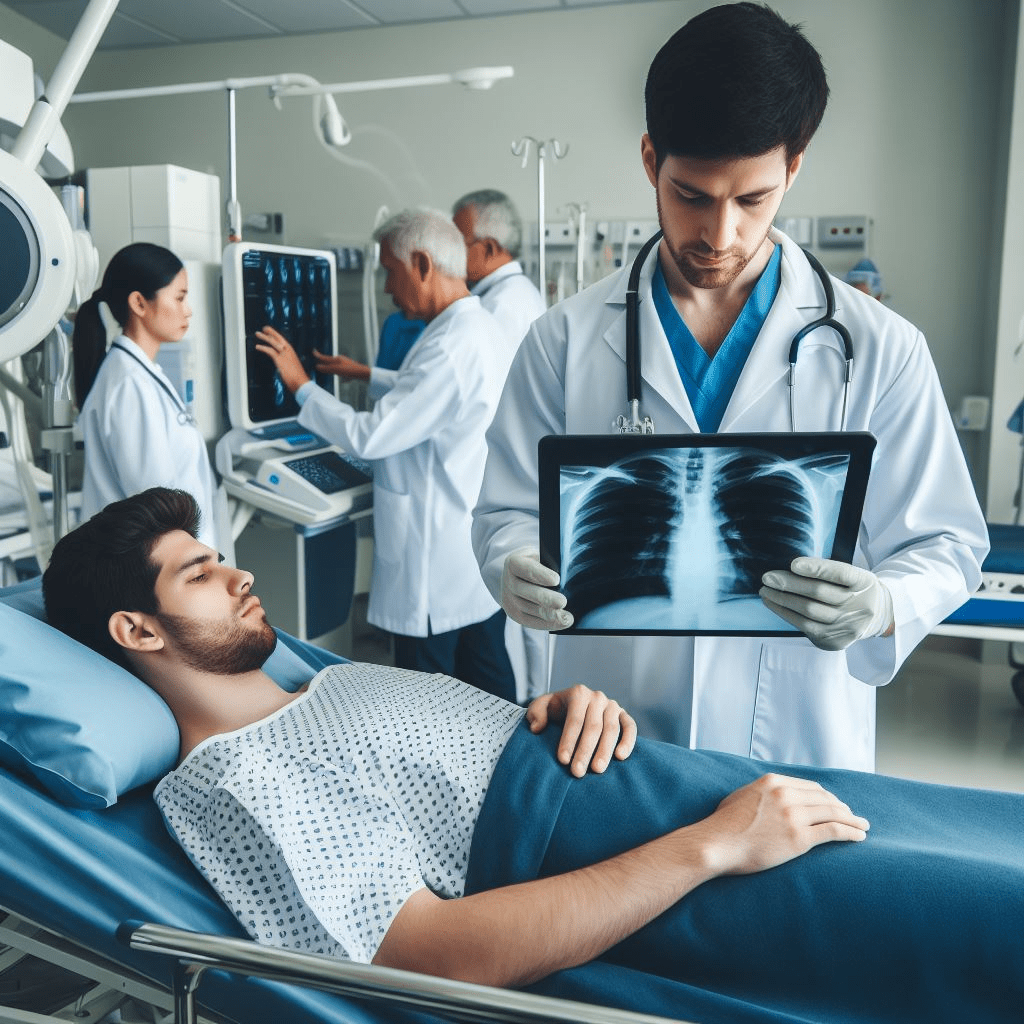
(136, 437)
(515, 302)
(426, 439)
(923, 532)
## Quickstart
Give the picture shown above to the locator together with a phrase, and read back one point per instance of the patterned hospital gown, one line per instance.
(315, 824)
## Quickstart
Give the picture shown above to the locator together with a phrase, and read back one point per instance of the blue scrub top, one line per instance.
(397, 336)
(710, 382)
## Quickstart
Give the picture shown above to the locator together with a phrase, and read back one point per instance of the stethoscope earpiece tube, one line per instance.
(631, 422)
(633, 319)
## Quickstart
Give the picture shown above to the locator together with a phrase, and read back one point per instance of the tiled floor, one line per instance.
(950, 717)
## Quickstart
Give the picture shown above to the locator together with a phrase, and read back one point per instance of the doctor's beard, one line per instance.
(734, 261)
(223, 650)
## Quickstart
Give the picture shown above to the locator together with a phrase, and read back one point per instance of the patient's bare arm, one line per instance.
(518, 934)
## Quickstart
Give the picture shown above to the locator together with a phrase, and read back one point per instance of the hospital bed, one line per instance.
(996, 611)
(76, 881)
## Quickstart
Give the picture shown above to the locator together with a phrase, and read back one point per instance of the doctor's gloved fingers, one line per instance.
(531, 615)
(808, 606)
(783, 582)
(826, 636)
(526, 565)
(828, 569)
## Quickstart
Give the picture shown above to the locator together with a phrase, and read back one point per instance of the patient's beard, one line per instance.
(219, 650)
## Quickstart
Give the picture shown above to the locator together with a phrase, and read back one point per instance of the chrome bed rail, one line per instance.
(196, 952)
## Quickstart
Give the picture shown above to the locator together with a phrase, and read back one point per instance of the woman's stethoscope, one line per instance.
(184, 416)
(632, 423)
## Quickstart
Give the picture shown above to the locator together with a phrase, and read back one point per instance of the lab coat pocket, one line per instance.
(805, 710)
(392, 517)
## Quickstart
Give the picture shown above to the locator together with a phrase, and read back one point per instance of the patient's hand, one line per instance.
(772, 820)
(594, 728)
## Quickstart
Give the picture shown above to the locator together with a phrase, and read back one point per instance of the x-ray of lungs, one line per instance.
(673, 534)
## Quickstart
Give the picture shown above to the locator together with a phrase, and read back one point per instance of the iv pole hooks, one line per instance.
(522, 148)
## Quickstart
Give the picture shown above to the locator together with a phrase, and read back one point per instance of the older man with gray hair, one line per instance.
(493, 232)
(425, 438)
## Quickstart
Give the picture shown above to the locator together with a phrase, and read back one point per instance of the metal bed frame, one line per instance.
(195, 953)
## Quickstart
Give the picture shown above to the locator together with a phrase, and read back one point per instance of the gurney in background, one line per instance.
(996, 611)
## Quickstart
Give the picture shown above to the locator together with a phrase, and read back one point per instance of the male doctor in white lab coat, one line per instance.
(425, 438)
(733, 99)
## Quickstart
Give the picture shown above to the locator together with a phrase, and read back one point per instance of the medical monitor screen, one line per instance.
(292, 290)
(671, 535)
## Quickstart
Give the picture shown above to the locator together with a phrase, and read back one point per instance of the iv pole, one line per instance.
(522, 148)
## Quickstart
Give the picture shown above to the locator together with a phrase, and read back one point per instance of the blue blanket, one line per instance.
(923, 921)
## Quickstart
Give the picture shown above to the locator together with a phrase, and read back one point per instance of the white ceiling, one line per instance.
(169, 22)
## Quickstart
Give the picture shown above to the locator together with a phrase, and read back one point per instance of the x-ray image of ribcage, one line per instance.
(669, 538)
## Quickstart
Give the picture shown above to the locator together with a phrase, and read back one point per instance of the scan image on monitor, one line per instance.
(673, 534)
(292, 290)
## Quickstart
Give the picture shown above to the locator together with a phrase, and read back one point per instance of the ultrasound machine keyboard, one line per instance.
(329, 472)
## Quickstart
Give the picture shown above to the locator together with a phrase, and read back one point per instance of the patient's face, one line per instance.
(213, 621)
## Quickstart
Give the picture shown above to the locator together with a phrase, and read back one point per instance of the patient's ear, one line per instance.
(132, 630)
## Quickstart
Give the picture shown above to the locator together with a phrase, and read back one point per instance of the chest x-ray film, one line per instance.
(672, 534)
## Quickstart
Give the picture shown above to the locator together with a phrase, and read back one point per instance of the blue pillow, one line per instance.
(84, 728)
(27, 597)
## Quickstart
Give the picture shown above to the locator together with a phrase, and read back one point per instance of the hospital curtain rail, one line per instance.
(197, 952)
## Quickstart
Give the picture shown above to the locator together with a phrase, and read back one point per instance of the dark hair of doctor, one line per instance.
(140, 267)
(735, 81)
(104, 566)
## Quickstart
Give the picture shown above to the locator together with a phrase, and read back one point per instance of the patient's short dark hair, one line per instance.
(735, 81)
(105, 565)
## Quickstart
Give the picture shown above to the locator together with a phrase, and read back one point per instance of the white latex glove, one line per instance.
(831, 603)
(527, 595)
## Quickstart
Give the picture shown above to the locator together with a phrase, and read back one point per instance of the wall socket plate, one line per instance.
(843, 232)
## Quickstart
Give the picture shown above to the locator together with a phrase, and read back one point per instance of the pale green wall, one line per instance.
(914, 136)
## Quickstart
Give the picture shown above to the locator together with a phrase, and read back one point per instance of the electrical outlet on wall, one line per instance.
(843, 232)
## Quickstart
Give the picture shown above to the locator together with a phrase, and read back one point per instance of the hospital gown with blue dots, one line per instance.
(316, 823)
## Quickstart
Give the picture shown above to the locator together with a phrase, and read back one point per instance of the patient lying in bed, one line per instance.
(416, 822)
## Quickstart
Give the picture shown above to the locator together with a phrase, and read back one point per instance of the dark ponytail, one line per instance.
(139, 267)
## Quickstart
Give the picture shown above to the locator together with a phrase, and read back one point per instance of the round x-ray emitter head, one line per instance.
(37, 274)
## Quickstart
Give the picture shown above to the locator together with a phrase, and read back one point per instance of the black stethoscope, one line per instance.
(632, 423)
(184, 416)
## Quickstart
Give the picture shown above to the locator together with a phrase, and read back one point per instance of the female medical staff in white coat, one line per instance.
(138, 432)
(923, 533)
